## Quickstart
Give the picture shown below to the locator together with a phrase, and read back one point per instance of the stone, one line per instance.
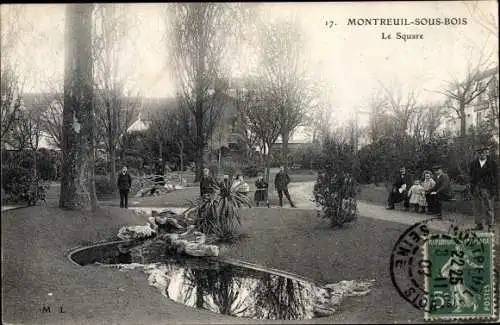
(136, 232)
(195, 249)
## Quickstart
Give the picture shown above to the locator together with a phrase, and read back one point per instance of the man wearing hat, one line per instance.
(483, 185)
(400, 189)
(440, 192)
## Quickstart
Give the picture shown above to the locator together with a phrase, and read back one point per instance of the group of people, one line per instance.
(426, 194)
(281, 182)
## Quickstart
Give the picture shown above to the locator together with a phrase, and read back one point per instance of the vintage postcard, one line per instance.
(250, 162)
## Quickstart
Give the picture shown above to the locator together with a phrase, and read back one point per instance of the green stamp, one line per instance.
(460, 279)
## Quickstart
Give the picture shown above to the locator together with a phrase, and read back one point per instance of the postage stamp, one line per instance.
(460, 281)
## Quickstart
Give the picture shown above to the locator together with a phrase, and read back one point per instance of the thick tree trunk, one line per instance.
(199, 145)
(267, 159)
(77, 184)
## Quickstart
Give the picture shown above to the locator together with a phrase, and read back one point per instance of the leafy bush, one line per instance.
(48, 162)
(218, 214)
(20, 185)
(103, 185)
(131, 162)
(335, 188)
(250, 171)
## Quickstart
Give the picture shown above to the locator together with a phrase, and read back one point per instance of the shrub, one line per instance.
(250, 171)
(132, 162)
(335, 188)
(103, 185)
(20, 185)
(48, 161)
(218, 214)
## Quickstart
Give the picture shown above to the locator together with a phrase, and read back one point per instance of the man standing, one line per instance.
(440, 192)
(400, 189)
(483, 185)
(206, 183)
(281, 182)
(124, 183)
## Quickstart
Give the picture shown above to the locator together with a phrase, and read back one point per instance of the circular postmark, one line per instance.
(412, 270)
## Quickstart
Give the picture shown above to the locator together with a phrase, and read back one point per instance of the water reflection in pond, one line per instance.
(213, 285)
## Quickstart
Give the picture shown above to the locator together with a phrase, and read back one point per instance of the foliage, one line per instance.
(308, 156)
(20, 185)
(250, 170)
(48, 162)
(335, 188)
(104, 185)
(218, 214)
(382, 158)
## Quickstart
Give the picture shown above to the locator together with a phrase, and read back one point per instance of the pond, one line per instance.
(216, 285)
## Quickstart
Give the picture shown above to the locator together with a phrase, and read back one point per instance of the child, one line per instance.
(415, 193)
(427, 184)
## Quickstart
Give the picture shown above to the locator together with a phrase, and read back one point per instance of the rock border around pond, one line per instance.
(169, 225)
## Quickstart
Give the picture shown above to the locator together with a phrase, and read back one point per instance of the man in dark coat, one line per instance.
(206, 183)
(399, 191)
(124, 183)
(281, 182)
(483, 185)
(440, 192)
(261, 190)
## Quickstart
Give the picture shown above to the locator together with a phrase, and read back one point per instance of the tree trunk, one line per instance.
(199, 146)
(268, 164)
(463, 120)
(77, 184)
(113, 175)
(284, 150)
(181, 156)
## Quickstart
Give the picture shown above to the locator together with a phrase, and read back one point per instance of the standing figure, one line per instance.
(206, 183)
(427, 184)
(440, 192)
(399, 190)
(483, 185)
(281, 182)
(124, 183)
(415, 193)
(261, 190)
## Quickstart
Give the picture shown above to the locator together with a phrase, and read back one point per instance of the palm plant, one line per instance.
(218, 214)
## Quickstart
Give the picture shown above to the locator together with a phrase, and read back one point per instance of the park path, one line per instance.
(301, 193)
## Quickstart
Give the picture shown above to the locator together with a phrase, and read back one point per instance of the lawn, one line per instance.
(35, 240)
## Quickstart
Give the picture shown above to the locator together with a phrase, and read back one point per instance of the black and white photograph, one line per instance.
(250, 162)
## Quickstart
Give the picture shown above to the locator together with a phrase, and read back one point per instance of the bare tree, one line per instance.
(461, 93)
(199, 42)
(261, 117)
(77, 184)
(487, 20)
(283, 64)
(401, 106)
(11, 85)
(425, 121)
(112, 24)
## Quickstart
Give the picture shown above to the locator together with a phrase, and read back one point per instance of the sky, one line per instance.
(350, 60)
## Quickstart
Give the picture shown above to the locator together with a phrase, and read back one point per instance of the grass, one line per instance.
(35, 240)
